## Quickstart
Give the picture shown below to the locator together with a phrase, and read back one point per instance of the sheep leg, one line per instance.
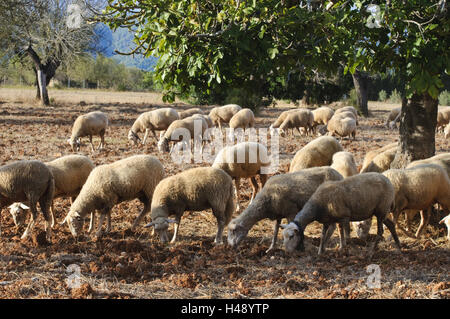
(92, 222)
(175, 229)
(52, 214)
(254, 187)
(342, 235)
(424, 219)
(32, 220)
(220, 227)
(92, 144)
(146, 135)
(100, 224)
(391, 226)
(141, 215)
(45, 208)
(327, 231)
(276, 228)
(236, 184)
(108, 223)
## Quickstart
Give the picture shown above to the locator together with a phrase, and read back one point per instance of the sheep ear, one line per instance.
(149, 225)
(23, 206)
(64, 221)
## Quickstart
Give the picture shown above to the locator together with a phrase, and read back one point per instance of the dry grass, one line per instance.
(125, 265)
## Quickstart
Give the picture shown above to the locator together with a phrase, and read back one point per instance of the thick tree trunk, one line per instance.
(38, 89)
(361, 82)
(42, 82)
(417, 130)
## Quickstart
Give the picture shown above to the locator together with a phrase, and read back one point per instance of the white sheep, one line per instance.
(443, 118)
(344, 163)
(110, 184)
(447, 131)
(70, 173)
(242, 119)
(206, 118)
(418, 188)
(322, 115)
(30, 182)
(381, 162)
(355, 198)
(346, 109)
(281, 197)
(371, 154)
(93, 123)
(446, 221)
(342, 127)
(156, 120)
(178, 128)
(195, 189)
(223, 114)
(280, 119)
(294, 120)
(393, 117)
(244, 160)
(318, 152)
(189, 112)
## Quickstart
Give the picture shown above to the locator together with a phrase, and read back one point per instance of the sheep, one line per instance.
(322, 115)
(110, 184)
(442, 160)
(318, 152)
(280, 119)
(281, 197)
(156, 120)
(447, 131)
(223, 114)
(195, 189)
(93, 123)
(443, 118)
(344, 163)
(354, 198)
(242, 119)
(446, 221)
(294, 120)
(370, 155)
(393, 117)
(381, 162)
(31, 182)
(342, 127)
(190, 112)
(347, 109)
(206, 118)
(70, 173)
(179, 127)
(418, 188)
(244, 160)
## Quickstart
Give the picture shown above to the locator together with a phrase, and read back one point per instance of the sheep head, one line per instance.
(236, 233)
(161, 225)
(75, 143)
(18, 213)
(362, 228)
(293, 237)
(163, 145)
(133, 137)
(75, 223)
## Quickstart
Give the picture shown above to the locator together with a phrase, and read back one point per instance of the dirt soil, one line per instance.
(127, 265)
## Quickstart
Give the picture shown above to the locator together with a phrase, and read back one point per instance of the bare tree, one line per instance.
(49, 32)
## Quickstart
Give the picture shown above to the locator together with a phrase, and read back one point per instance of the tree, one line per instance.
(49, 32)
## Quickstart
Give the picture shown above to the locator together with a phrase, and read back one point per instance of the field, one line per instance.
(125, 265)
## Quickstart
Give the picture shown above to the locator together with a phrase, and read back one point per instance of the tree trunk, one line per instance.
(417, 130)
(42, 82)
(361, 82)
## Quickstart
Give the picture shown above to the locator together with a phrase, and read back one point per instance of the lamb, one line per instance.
(322, 115)
(243, 119)
(281, 197)
(70, 173)
(195, 189)
(31, 182)
(446, 221)
(318, 152)
(393, 117)
(418, 188)
(156, 120)
(93, 123)
(223, 114)
(342, 127)
(443, 118)
(244, 160)
(179, 127)
(381, 162)
(354, 198)
(344, 163)
(370, 155)
(280, 119)
(294, 120)
(110, 184)
(189, 112)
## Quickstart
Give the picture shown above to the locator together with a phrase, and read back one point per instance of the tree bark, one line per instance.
(361, 82)
(417, 130)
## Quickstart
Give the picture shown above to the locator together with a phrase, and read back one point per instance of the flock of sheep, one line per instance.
(323, 183)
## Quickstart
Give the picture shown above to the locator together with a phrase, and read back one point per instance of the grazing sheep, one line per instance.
(223, 114)
(156, 120)
(280, 119)
(393, 117)
(443, 118)
(93, 123)
(178, 127)
(195, 189)
(318, 152)
(442, 160)
(244, 160)
(370, 155)
(206, 118)
(344, 163)
(281, 197)
(446, 221)
(190, 112)
(381, 162)
(30, 182)
(355, 198)
(110, 184)
(294, 120)
(345, 109)
(243, 119)
(342, 127)
(322, 115)
(418, 188)
(70, 173)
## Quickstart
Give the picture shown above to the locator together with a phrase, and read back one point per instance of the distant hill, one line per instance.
(121, 40)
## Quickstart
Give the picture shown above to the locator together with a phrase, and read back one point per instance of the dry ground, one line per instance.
(124, 265)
